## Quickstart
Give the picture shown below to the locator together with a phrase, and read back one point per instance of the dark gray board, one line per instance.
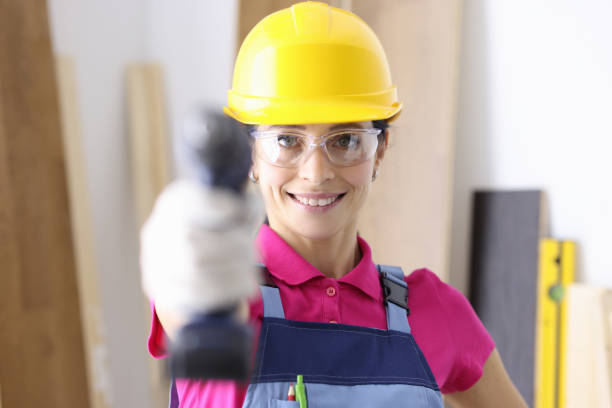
(506, 231)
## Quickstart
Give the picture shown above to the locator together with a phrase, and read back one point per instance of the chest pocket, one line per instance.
(283, 404)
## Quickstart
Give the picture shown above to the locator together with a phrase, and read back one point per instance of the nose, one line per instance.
(316, 168)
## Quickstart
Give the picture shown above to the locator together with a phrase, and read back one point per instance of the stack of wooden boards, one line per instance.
(554, 335)
(151, 171)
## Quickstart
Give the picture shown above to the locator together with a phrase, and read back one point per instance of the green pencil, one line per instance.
(300, 392)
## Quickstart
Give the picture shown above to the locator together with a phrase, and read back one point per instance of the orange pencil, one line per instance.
(291, 394)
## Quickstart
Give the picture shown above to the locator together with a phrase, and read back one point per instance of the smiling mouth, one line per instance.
(316, 202)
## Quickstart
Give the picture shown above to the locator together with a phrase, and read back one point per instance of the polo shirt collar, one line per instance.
(286, 264)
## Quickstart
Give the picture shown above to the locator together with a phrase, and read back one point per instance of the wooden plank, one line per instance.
(407, 218)
(251, 12)
(556, 273)
(148, 135)
(588, 371)
(606, 300)
(41, 347)
(151, 171)
(92, 320)
(506, 231)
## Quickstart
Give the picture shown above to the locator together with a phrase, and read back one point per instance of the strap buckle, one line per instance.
(265, 277)
(394, 292)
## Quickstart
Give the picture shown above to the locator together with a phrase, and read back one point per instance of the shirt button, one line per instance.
(331, 291)
(333, 321)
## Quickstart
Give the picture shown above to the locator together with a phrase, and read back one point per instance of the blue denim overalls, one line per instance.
(342, 365)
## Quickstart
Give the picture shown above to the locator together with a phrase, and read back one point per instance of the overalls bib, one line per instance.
(342, 365)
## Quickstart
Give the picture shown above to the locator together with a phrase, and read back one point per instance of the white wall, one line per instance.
(535, 111)
(102, 37)
(195, 42)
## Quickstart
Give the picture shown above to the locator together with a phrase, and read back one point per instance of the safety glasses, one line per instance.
(290, 148)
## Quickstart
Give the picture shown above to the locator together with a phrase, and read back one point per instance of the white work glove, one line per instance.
(197, 250)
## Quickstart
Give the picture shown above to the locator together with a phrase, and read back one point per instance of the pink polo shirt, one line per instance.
(444, 325)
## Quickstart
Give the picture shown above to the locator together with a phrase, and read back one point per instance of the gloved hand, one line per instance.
(197, 262)
(197, 248)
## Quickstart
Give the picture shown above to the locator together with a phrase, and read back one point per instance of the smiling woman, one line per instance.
(313, 86)
(315, 190)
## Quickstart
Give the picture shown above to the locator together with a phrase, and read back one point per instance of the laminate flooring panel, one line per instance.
(506, 230)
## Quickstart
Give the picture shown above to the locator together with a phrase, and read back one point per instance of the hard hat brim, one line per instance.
(268, 111)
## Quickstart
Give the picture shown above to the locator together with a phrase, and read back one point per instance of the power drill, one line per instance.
(216, 153)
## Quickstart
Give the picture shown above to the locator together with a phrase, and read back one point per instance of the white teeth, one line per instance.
(313, 202)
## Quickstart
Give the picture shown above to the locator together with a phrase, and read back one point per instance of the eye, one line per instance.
(345, 141)
(288, 141)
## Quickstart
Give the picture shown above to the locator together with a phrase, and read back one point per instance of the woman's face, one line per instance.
(317, 199)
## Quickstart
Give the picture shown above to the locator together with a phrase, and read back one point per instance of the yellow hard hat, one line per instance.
(311, 63)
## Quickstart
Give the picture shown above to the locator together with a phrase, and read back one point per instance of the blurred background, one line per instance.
(505, 139)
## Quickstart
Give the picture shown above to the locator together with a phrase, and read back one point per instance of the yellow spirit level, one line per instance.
(556, 272)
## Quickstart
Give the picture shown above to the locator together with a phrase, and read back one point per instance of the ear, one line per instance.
(253, 171)
(253, 160)
(380, 152)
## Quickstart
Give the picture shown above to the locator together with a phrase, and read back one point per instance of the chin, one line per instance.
(317, 231)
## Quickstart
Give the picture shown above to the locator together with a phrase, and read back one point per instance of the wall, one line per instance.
(103, 37)
(535, 102)
(195, 40)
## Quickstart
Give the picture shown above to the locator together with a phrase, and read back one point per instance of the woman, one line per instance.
(313, 84)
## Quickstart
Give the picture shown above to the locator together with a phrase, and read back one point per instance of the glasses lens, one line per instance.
(281, 149)
(344, 148)
(351, 147)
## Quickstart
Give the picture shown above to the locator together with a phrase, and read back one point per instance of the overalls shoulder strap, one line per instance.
(395, 294)
(272, 305)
